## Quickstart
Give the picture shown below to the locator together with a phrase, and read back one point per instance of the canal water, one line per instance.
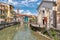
(20, 32)
(25, 33)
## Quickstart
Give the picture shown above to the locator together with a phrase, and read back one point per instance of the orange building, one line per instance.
(58, 13)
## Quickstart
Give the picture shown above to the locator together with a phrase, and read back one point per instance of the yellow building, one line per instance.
(6, 12)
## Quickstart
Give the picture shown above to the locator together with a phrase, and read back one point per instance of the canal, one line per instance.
(25, 33)
(20, 32)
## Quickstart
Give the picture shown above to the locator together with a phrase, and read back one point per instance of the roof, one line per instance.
(23, 15)
(6, 4)
(51, 1)
(19, 15)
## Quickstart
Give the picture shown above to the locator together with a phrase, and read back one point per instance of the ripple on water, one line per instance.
(24, 34)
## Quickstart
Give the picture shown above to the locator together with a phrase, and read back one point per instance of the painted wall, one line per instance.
(48, 13)
(58, 14)
(46, 5)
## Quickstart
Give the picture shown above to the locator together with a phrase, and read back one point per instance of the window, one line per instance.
(59, 8)
(0, 11)
(43, 11)
(43, 21)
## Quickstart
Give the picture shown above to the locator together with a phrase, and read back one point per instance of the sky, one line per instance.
(25, 6)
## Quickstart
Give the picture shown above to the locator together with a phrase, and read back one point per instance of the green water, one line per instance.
(20, 32)
(25, 33)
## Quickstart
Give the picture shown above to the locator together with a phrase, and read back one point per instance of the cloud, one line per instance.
(3, 1)
(38, 3)
(24, 12)
(24, 4)
(33, 0)
(27, 12)
(12, 2)
(28, 3)
(20, 11)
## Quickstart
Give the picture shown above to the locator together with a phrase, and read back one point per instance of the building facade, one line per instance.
(6, 11)
(25, 18)
(45, 16)
(58, 14)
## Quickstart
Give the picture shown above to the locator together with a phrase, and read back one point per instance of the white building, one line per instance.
(45, 16)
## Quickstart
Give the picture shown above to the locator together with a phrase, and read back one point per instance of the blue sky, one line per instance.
(24, 6)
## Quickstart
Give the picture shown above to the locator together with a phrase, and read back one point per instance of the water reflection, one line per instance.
(25, 34)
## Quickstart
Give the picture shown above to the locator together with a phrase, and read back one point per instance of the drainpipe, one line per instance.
(55, 16)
